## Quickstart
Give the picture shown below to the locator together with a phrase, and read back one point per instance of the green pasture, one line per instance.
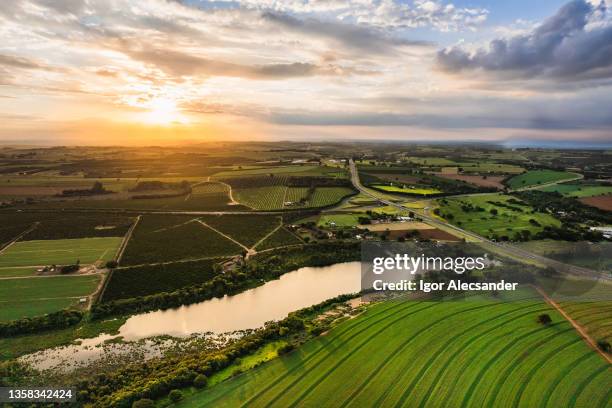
(60, 251)
(30, 297)
(579, 190)
(506, 222)
(402, 353)
(536, 177)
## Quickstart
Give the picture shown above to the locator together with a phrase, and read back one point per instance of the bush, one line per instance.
(604, 345)
(176, 395)
(200, 381)
(544, 319)
(286, 349)
(143, 403)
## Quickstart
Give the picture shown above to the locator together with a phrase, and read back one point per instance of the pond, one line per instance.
(250, 309)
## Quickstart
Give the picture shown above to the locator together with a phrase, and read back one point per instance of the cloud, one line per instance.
(354, 36)
(574, 44)
(183, 64)
(23, 63)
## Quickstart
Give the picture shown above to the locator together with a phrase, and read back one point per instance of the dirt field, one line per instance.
(603, 202)
(490, 181)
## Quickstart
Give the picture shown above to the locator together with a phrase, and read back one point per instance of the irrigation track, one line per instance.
(266, 237)
(126, 239)
(338, 363)
(342, 331)
(399, 349)
(403, 345)
(408, 308)
(438, 354)
(221, 233)
(507, 250)
(578, 327)
(18, 237)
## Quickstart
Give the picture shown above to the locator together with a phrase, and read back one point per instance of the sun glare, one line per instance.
(163, 111)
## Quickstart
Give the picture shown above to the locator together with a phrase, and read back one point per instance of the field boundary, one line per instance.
(126, 239)
(221, 233)
(18, 237)
(583, 333)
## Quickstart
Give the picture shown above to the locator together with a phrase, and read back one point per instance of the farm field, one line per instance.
(499, 355)
(159, 238)
(511, 217)
(274, 197)
(579, 190)
(406, 190)
(490, 167)
(149, 279)
(482, 181)
(341, 220)
(602, 202)
(246, 229)
(60, 252)
(597, 256)
(17, 271)
(536, 177)
(279, 238)
(36, 296)
(294, 170)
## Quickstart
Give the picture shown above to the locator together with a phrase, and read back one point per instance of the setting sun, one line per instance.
(163, 111)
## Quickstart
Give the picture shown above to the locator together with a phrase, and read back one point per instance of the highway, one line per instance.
(504, 249)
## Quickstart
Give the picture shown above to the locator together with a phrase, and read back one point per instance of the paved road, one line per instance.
(501, 248)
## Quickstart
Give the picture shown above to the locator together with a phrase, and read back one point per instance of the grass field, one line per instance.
(17, 271)
(159, 238)
(36, 296)
(402, 353)
(406, 190)
(536, 177)
(510, 218)
(341, 220)
(579, 190)
(60, 252)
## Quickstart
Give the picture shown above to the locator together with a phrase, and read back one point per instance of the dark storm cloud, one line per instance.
(352, 36)
(562, 47)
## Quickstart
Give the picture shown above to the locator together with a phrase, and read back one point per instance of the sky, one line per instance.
(99, 72)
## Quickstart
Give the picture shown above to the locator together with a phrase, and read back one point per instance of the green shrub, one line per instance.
(176, 395)
(143, 403)
(200, 381)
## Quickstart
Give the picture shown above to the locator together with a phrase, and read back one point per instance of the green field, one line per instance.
(537, 177)
(341, 220)
(406, 190)
(402, 353)
(274, 197)
(8, 271)
(279, 238)
(308, 170)
(36, 296)
(159, 238)
(150, 279)
(60, 252)
(509, 220)
(579, 190)
(246, 229)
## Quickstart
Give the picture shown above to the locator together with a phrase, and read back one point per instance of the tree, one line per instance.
(544, 319)
(113, 264)
(176, 395)
(604, 345)
(200, 381)
(143, 403)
